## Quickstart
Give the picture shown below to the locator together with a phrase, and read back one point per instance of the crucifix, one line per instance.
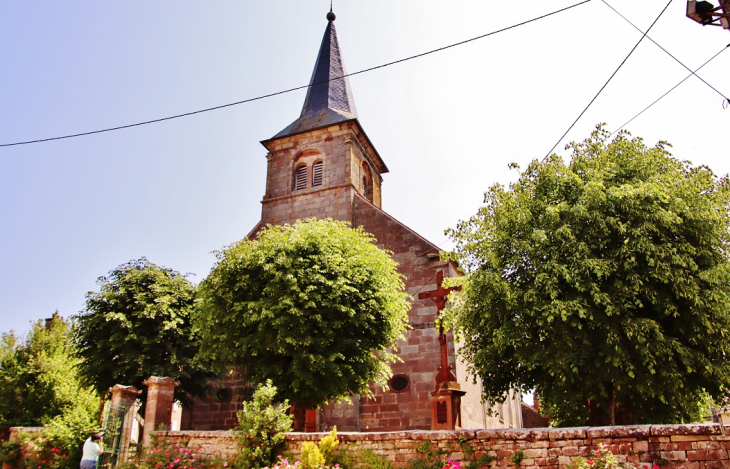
(439, 297)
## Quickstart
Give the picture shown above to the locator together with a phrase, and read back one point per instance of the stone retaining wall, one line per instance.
(670, 446)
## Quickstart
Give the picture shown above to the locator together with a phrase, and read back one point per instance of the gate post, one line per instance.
(125, 397)
(158, 412)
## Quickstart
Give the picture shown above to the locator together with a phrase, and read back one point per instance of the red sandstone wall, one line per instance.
(218, 412)
(420, 351)
(671, 446)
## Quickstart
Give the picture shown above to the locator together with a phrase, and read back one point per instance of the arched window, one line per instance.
(367, 182)
(308, 170)
(317, 173)
(300, 177)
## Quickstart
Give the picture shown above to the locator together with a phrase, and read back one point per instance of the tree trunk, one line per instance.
(613, 407)
(298, 410)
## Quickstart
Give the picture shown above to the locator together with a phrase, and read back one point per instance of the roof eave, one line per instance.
(382, 168)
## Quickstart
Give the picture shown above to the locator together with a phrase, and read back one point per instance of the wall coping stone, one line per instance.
(621, 431)
(702, 429)
(533, 434)
(569, 433)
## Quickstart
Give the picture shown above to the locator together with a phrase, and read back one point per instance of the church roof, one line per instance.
(329, 99)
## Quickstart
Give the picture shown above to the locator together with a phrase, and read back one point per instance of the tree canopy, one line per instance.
(38, 376)
(604, 284)
(139, 325)
(312, 306)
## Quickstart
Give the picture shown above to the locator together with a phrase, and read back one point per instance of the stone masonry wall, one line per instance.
(670, 446)
(420, 352)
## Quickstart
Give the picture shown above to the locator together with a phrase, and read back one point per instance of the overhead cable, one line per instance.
(725, 98)
(672, 89)
(607, 81)
(177, 116)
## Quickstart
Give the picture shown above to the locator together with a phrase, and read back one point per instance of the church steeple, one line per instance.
(329, 99)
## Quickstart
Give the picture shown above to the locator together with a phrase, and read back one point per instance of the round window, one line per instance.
(223, 396)
(399, 383)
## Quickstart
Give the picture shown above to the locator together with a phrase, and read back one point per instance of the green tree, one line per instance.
(39, 380)
(603, 284)
(138, 325)
(312, 306)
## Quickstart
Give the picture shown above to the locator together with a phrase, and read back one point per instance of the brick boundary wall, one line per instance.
(673, 446)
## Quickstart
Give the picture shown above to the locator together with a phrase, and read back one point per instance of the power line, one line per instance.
(666, 51)
(608, 81)
(177, 116)
(672, 89)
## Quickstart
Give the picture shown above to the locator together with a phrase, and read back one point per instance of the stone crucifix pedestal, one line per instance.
(446, 398)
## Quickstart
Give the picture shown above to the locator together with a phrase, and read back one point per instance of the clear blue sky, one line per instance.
(447, 125)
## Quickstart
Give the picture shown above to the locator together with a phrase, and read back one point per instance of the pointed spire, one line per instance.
(329, 99)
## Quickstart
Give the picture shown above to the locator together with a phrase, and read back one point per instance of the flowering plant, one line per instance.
(282, 463)
(42, 452)
(451, 464)
(602, 458)
(162, 455)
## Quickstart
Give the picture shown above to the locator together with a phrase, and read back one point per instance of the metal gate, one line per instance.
(114, 450)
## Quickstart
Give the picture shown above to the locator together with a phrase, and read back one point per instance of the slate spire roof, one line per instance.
(328, 101)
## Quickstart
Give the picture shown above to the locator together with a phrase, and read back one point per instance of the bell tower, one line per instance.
(321, 161)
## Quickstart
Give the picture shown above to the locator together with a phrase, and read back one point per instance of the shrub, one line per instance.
(311, 457)
(59, 444)
(261, 427)
(9, 455)
(314, 456)
(65, 435)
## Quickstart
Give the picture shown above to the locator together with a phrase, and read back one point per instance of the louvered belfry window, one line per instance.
(317, 173)
(300, 178)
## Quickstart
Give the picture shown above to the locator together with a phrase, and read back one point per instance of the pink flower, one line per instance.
(655, 467)
(225, 464)
(337, 465)
(590, 463)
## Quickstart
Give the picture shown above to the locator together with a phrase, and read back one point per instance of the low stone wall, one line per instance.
(671, 446)
(14, 434)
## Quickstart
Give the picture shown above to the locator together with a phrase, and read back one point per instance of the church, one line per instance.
(323, 165)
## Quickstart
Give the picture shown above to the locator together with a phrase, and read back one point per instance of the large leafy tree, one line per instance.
(38, 376)
(312, 306)
(604, 284)
(139, 325)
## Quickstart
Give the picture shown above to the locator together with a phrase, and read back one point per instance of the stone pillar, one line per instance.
(446, 406)
(125, 396)
(158, 412)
